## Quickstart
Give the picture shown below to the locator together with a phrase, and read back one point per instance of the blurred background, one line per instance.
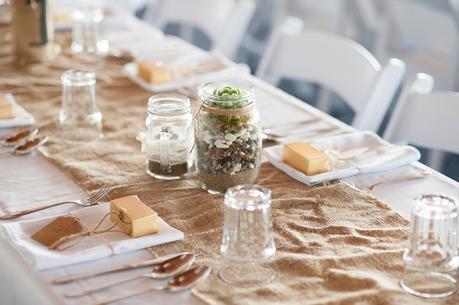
(421, 33)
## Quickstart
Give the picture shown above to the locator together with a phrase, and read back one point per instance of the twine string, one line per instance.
(78, 237)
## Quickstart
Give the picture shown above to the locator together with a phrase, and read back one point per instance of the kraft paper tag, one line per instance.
(58, 228)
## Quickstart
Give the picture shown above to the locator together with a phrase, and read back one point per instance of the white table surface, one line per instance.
(30, 181)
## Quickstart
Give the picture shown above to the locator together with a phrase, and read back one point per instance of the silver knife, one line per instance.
(144, 263)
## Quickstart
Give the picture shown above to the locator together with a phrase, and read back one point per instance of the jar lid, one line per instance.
(226, 95)
(168, 104)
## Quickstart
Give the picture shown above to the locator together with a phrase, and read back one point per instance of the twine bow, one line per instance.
(78, 237)
(345, 156)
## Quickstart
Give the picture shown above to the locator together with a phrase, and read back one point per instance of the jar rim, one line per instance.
(255, 197)
(168, 103)
(209, 99)
(435, 206)
(78, 77)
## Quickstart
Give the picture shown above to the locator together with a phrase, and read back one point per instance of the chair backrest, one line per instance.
(425, 118)
(223, 21)
(336, 63)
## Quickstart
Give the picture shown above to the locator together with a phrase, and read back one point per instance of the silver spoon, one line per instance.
(19, 137)
(165, 269)
(179, 282)
(27, 147)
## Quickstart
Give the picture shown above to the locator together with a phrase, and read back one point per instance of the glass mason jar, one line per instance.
(228, 136)
(80, 116)
(168, 140)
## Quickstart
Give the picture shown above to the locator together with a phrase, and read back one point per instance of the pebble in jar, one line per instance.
(227, 136)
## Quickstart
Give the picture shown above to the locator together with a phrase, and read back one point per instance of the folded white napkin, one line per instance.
(91, 248)
(380, 156)
(22, 117)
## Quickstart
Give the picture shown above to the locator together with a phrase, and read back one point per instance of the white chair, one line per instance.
(423, 33)
(336, 63)
(424, 117)
(223, 21)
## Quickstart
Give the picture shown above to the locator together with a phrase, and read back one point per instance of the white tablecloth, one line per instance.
(31, 180)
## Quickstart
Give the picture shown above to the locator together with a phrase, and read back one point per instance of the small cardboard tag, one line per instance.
(60, 227)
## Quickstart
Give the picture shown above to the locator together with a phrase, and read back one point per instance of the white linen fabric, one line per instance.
(90, 248)
(21, 118)
(380, 156)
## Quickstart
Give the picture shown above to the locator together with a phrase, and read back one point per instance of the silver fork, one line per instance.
(368, 188)
(89, 200)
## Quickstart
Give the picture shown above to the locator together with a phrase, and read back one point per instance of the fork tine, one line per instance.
(96, 198)
(95, 194)
(101, 193)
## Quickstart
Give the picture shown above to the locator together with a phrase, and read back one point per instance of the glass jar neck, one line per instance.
(226, 95)
(168, 105)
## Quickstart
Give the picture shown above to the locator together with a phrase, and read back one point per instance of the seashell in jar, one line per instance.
(207, 137)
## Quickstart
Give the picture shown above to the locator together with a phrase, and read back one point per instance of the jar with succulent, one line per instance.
(227, 136)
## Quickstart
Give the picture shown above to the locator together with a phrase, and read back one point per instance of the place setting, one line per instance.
(339, 157)
(184, 179)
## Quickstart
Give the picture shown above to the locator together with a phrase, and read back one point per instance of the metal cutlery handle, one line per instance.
(101, 287)
(397, 179)
(71, 278)
(118, 298)
(17, 214)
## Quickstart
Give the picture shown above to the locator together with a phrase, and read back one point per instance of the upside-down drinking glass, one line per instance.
(248, 242)
(430, 267)
(86, 31)
(80, 116)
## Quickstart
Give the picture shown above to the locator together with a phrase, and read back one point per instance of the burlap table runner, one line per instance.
(334, 245)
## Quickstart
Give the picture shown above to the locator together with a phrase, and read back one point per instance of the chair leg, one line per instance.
(324, 100)
(435, 159)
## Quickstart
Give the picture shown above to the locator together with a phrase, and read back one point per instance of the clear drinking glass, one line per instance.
(247, 242)
(86, 32)
(430, 269)
(80, 114)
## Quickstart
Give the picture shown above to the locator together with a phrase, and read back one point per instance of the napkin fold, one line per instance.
(91, 248)
(380, 156)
